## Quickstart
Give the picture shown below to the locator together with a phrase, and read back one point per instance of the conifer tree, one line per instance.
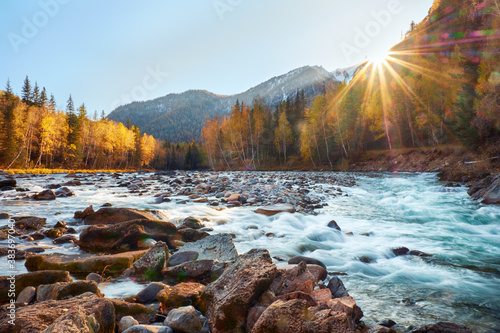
(26, 91)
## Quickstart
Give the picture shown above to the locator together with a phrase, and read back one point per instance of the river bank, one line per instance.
(376, 212)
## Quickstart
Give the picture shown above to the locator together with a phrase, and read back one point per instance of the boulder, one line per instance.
(38, 317)
(143, 314)
(187, 320)
(45, 195)
(8, 182)
(4, 216)
(149, 293)
(486, 189)
(197, 270)
(293, 278)
(94, 277)
(215, 247)
(111, 264)
(148, 329)
(74, 321)
(27, 295)
(29, 222)
(63, 290)
(337, 288)
(380, 329)
(191, 235)
(182, 294)
(321, 296)
(307, 260)
(226, 300)
(332, 224)
(65, 239)
(113, 215)
(150, 265)
(348, 306)
(63, 192)
(442, 327)
(126, 236)
(275, 209)
(192, 222)
(55, 232)
(33, 279)
(86, 212)
(400, 251)
(181, 257)
(126, 322)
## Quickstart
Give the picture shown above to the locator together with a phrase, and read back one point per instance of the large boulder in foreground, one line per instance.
(113, 215)
(226, 301)
(38, 317)
(63, 290)
(215, 247)
(275, 209)
(84, 264)
(487, 189)
(33, 279)
(75, 320)
(125, 236)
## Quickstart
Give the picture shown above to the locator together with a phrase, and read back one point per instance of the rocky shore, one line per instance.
(195, 281)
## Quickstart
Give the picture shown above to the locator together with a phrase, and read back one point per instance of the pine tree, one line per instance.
(26, 91)
(129, 125)
(43, 98)
(35, 98)
(52, 102)
(70, 106)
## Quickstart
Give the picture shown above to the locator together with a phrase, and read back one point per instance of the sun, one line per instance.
(378, 57)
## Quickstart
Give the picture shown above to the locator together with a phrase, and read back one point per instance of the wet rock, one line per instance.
(126, 235)
(63, 192)
(192, 222)
(65, 239)
(298, 295)
(337, 288)
(27, 295)
(293, 278)
(332, 224)
(150, 265)
(8, 182)
(419, 253)
(148, 329)
(487, 189)
(33, 279)
(112, 264)
(63, 290)
(75, 320)
(112, 215)
(319, 272)
(298, 259)
(191, 235)
(143, 314)
(149, 293)
(219, 247)
(348, 306)
(226, 301)
(126, 322)
(367, 259)
(86, 212)
(45, 195)
(55, 232)
(400, 251)
(4, 216)
(442, 327)
(187, 320)
(321, 296)
(38, 317)
(387, 323)
(284, 317)
(30, 222)
(94, 277)
(182, 257)
(380, 329)
(197, 270)
(182, 294)
(275, 209)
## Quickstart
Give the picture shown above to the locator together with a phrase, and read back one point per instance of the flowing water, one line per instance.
(459, 283)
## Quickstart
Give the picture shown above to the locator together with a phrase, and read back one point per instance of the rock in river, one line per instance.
(219, 247)
(275, 209)
(45, 195)
(150, 265)
(112, 215)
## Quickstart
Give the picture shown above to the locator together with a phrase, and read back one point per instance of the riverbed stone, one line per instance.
(111, 264)
(142, 313)
(94, 277)
(126, 322)
(73, 321)
(182, 294)
(148, 329)
(150, 265)
(226, 300)
(30, 222)
(442, 327)
(126, 235)
(38, 317)
(289, 279)
(215, 247)
(63, 192)
(63, 290)
(149, 293)
(45, 195)
(181, 257)
(33, 279)
(65, 239)
(332, 224)
(192, 222)
(198, 270)
(187, 319)
(190, 234)
(275, 209)
(337, 287)
(8, 182)
(114, 215)
(307, 260)
(86, 212)
(27, 295)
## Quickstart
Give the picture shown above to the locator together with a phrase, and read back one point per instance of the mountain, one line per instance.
(180, 117)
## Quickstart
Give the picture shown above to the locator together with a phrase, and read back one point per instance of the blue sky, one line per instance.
(107, 53)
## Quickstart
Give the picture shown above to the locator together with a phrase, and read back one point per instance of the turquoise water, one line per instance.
(459, 283)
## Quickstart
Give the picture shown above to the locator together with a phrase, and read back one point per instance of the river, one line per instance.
(460, 282)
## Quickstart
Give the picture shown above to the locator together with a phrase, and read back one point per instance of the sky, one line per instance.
(109, 53)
